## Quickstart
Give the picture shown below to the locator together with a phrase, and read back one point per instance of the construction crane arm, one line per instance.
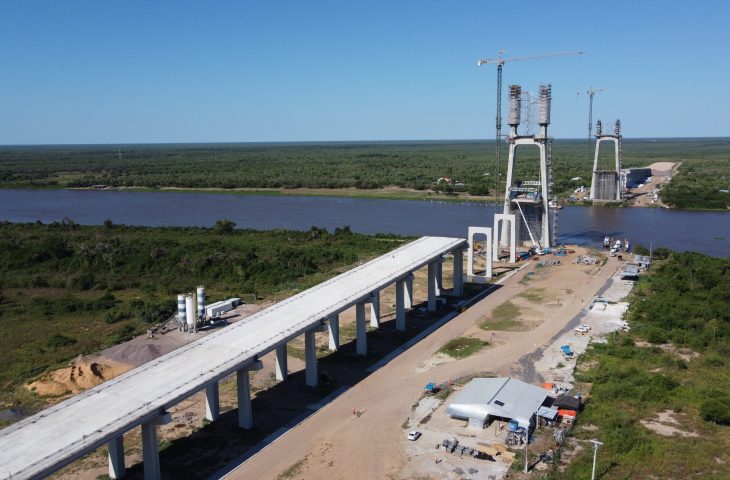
(501, 60)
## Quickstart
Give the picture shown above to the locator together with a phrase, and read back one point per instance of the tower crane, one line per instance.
(500, 61)
(590, 92)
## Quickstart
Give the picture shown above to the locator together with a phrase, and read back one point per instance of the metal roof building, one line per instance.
(502, 397)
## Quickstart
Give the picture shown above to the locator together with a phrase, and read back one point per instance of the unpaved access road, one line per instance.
(339, 445)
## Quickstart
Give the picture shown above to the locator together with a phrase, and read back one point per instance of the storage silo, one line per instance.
(181, 318)
(201, 302)
(190, 310)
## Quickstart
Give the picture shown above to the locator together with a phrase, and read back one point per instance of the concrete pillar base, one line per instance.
(375, 309)
(281, 363)
(212, 402)
(333, 327)
(400, 308)
(458, 289)
(408, 303)
(362, 339)
(310, 356)
(116, 458)
(432, 287)
(243, 387)
(150, 451)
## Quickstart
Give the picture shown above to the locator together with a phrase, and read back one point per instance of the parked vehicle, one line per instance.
(582, 328)
(414, 435)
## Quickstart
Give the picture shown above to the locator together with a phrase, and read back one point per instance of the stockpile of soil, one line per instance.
(81, 374)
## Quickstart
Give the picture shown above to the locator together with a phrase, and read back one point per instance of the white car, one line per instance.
(413, 435)
(582, 328)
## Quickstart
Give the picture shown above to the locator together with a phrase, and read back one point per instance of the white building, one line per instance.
(484, 399)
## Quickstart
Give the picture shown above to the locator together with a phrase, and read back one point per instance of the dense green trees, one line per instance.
(416, 165)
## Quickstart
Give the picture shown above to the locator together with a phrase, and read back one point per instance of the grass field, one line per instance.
(356, 169)
(463, 347)
(503, 317)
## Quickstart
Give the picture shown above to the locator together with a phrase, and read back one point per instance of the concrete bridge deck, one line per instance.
(53, 438)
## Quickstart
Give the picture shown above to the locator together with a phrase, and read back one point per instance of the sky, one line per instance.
(90, 71)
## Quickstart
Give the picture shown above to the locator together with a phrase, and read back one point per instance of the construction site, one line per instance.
(358, 367)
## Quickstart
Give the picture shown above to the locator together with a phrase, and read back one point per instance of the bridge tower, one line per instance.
(528, 199)
(606, 182)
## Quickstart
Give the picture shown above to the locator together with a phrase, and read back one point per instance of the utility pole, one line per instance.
(527, 439)
(596, 444)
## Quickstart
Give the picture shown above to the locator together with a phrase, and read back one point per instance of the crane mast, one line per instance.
(591, 92)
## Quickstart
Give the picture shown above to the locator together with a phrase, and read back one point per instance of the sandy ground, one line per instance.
(338, 444)
(662, 173)
(603, 315)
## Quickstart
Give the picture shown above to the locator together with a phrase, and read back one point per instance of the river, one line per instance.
(677, 229)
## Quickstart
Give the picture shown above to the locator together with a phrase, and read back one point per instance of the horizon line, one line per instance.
(315, 142)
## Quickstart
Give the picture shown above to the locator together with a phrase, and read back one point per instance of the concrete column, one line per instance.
(400, 309)
(212, 402)
(333, 328)
(150, 451)
(432, 287)
(281, 362)
(375, 309)
(458, 272)
(361, 345)
(409, 291)
(245, 415)
(310, 356)
(116, 457)
(438, 267)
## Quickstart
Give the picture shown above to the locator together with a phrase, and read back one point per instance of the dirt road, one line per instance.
(338, 444)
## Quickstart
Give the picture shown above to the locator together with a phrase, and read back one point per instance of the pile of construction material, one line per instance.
(587, 260)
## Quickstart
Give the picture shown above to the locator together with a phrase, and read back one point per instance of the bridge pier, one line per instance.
(310, 356)
(116, 457)
(212, 402)
(400, 305)
(243, 388)
(333, 328)
(408, 303)
(375, 309)
(150, 451)
(361, 343)
(458, 289)
(438, 273)
(432, 287)
(282, 371)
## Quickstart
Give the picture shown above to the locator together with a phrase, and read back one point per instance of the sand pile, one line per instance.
(80, 375)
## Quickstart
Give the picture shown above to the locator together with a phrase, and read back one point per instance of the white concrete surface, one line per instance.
(47, 441)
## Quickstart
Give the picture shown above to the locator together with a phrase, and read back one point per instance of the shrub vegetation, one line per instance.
(684, 301)
(66, 289)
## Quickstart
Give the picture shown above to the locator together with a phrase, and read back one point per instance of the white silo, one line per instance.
(190, 310)
(181, 318)
(201, 302)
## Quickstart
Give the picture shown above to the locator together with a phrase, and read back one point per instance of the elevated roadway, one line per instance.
(55, 437)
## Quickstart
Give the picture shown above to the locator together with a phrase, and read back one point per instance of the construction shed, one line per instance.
(484, 399)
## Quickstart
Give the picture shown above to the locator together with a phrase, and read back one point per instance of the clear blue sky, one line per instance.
(88, 71)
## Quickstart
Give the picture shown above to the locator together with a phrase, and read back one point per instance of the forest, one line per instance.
(674, 361)
(67, 289)
(414, 165)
